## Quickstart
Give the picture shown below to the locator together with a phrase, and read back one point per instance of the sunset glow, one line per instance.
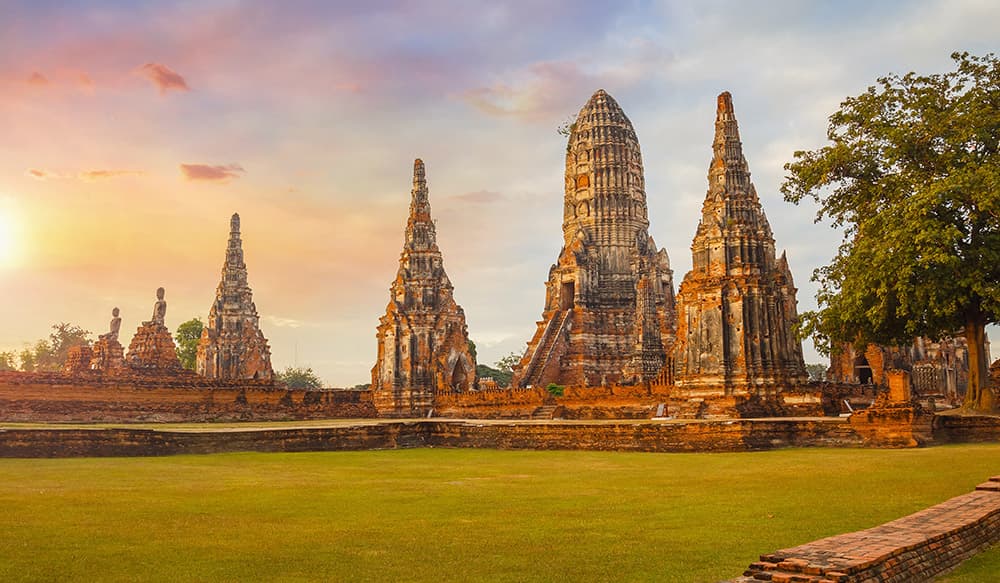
(8, 240)
(133, 131)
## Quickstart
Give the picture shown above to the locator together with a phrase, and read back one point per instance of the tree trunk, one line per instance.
(979, 396)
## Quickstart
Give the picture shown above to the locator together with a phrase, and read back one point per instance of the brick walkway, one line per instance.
(913, 548)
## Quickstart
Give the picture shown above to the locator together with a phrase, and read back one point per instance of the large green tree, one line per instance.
(912, 175)
(50, 355)
(187, 336)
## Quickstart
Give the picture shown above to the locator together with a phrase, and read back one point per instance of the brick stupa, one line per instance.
(736, 308)
(423, 342)
(609, 300)
(108, 355)
(152, 348)
(232, 345)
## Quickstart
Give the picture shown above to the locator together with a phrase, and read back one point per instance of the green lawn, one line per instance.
(457, 515)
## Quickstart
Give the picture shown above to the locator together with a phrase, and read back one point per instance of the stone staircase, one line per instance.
(544, 412)
(540, 359)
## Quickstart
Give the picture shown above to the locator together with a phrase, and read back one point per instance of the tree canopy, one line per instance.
(299, 378)
(49, 355)
(187, 336)
(912, 175)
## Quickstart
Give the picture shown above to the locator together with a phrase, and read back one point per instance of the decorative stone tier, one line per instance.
(914, 548)
(152, 348)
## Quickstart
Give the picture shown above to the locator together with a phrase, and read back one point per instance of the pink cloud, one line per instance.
(542, 91)
(164, 77)
(38, 79)
(218, 173)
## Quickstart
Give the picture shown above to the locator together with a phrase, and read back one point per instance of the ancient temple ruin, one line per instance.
(937, 367)
(108, 355)
(232, 345)
(609, 302)
(736, 308)
(152, 348)
(423, 342)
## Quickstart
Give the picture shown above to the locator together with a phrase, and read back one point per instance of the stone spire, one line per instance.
(423, 342)
(737, 306)
(420, 232)
(232, 345)
(587, 335)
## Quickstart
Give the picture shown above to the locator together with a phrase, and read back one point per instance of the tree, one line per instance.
(913, 176)
(27, 360)
(7, 360)
(817, 372)
(187, 336)
(472, 350)
(507, 363)
(300, 378)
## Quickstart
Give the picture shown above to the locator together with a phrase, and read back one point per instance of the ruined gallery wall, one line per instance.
(125, 401)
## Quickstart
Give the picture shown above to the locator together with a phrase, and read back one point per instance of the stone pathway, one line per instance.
(913, 548)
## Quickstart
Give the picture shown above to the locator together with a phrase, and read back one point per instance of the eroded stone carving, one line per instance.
(736, 308)
(232, 345)
(609, 300)
(423, 342)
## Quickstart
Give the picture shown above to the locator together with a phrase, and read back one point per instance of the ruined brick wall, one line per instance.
(913, 548)
(624, 436)
(55, 397)
(730, 435)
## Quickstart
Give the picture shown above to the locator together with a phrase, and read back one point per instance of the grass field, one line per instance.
(458, 515)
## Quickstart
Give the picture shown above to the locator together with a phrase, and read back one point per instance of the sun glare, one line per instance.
(8, 241)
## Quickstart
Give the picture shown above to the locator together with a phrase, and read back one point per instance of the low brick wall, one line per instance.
(913, 548)
(59, 398)
(739, 435)
(966, 428)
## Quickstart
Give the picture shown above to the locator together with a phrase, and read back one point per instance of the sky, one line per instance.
(131, 131)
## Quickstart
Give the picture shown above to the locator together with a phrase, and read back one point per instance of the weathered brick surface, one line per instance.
(914, 548)
(623, 435)
(94, 397)
(605, 436)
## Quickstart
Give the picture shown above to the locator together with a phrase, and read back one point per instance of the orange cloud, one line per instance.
(37, 78)
(164, 77)
(87, 175)
(91, 175)
(39, 174)
(219, 173)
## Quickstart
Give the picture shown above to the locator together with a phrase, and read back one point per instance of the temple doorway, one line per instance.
(566, 295)
(863, 370)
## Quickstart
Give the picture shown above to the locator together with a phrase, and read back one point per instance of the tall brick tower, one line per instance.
(736, 308)
(232, 345)
(609, 301)
(423, 342)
